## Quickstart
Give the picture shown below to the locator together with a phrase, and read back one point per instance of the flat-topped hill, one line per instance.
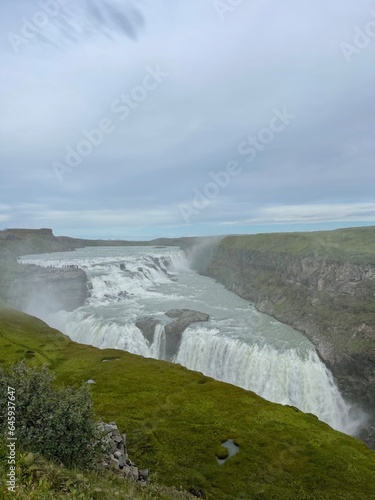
(18, 232)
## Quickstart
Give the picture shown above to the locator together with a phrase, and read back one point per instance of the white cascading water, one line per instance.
(157, 348)
(282, 377)
(238, 345)
(87, 329)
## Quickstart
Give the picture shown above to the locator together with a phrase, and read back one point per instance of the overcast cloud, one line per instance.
(279, 95)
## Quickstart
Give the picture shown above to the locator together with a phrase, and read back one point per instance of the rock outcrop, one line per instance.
(116, 457)
(147, 326)
(173, 330)
(45, 289)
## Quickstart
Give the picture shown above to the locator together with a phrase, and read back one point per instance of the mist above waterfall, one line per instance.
(199, 255)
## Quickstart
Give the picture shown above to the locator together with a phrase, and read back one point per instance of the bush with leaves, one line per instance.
(58, 423)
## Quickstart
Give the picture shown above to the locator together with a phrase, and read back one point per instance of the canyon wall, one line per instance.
(319, 287)
(48, 290)
(31, 288)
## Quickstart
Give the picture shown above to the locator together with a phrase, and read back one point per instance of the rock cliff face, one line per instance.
(34, 289)
(331, 301)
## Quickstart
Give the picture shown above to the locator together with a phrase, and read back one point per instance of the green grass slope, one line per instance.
(176, 420)
(39, 479)
(356, 245)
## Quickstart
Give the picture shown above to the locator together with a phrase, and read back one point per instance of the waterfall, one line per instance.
(86, 329)
(240, 345)
(284, 377)
(117, 277)
(104, 334)
(157, 348)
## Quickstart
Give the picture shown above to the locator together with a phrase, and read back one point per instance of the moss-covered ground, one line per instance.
(176, 420)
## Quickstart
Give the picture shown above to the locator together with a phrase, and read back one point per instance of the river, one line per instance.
(238, 345)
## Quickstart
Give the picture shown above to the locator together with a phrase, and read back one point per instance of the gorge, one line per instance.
(131, 289)
(322, 284)
(167, 300)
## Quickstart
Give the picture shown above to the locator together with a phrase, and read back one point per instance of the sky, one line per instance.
(147, 118)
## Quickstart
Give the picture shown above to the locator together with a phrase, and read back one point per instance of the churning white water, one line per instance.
(238, 345)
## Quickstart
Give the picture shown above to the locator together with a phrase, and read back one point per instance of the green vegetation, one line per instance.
(39, 479)
(356, 245)
(47, 415)
(176, 420)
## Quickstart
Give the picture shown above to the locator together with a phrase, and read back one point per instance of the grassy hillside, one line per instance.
(356, 245)
(176, 421)
(39, 479)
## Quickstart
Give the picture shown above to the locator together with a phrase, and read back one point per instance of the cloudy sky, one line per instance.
(145, 118)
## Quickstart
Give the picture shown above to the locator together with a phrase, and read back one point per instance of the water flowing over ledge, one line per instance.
(282, 377)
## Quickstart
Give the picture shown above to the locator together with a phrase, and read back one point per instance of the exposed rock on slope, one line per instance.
(46, 289)
(117, 458)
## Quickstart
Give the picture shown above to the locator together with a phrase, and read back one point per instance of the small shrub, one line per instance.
(57, 423)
